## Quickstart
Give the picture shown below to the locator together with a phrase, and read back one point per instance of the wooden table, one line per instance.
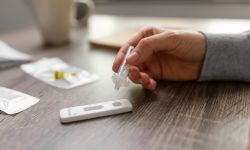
(177, 115)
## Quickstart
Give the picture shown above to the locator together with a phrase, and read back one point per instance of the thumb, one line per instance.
(147, 46)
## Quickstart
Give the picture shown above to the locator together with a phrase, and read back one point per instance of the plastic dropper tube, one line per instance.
(120, 78)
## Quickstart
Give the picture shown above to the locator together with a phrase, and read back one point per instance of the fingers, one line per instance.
(147, 46)
(122, 52)
(145, 32)
(134, 74)
(147, 82)
(142, 78)
(119, 58)
(152, 85)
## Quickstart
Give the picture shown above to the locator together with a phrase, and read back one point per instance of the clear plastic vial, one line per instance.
(120, 79)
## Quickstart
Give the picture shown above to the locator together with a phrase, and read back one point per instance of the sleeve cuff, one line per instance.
(227, 57)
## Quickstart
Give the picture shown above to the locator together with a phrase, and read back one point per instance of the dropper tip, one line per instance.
(117, 87)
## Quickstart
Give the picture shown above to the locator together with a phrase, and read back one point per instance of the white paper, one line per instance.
(12, 102)
(44, 70)
(9, 53)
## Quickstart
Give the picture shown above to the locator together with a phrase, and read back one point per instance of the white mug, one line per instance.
(55, 17)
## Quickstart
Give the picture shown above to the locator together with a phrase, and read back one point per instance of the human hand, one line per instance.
(163, 54)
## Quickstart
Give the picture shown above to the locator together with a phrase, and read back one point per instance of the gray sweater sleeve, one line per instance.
(227, 57)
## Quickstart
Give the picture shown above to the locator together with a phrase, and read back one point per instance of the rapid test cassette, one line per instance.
(120, 78)
(95, 110)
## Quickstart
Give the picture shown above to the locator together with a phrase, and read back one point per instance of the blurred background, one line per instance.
(15, 14)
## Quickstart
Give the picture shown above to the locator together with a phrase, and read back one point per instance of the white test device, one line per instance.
(95, 110)
(120, 78)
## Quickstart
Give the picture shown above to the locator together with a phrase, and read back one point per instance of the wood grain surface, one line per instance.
(177, 115)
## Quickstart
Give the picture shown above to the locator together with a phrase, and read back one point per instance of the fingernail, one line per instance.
(133, 57)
